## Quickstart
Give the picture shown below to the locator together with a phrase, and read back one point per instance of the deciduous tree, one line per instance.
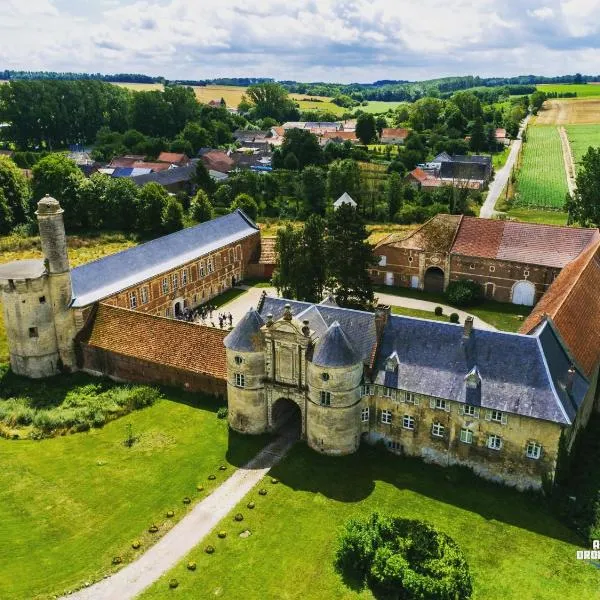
(584, 206)
(246, 203)
(366, 128)
(201, 209)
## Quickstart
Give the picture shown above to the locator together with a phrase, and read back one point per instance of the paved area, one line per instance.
(189, 532)
(500, 180)
(243, 303)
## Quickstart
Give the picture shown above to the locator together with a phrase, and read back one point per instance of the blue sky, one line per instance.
(308, 40)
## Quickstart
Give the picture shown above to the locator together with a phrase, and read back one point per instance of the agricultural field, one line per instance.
(583, 90)
(378, 107)
(141, 87)
(541, 179)
(569, 111)
(515, 548)
(70, 504)
(581, 137)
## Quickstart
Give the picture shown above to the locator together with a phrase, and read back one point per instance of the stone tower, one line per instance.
(334, 375)
(36, 296)
(247, 408)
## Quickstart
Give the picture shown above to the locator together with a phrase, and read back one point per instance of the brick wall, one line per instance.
(127, 368)
(192, 283)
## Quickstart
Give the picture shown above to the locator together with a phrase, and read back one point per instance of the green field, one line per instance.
(541, 180)
(581, 137)
(516, 549)
(377, 106)
(534, 215)
(68, 505)
(586, 90)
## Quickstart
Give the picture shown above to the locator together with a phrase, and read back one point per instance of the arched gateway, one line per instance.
(286, 417)
(434, 280)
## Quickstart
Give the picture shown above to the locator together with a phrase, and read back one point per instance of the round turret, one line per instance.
(52, 235)
(247, 407)
(333, 410)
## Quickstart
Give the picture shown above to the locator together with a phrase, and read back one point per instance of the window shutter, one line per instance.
(447, 409)
(417, 401)
(504, 419)
(488, 415)
(394, 394)
(461, 410)
(432, 402)
(476, 415)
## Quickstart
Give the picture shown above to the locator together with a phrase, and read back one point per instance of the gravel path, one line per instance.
(188, 533)
(501, 179)
(568, 158)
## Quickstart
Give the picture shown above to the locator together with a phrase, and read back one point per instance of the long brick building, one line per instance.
(513, 262)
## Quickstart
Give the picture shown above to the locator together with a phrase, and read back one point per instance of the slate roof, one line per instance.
(169, 177)
(545, 245)
(244, 338)
(158, 340)
(434, 360)
(111, 274)
(345, 198)
(573, 304)
(520, 374)
(334, 350)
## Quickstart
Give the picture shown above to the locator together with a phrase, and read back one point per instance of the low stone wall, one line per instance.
(127, 368)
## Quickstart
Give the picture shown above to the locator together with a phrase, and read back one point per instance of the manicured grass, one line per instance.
(581, 137)
(506, 317)
(532, 215)
(68, 505)
(515, 548)
(226, 297)
(585, 90)
(419, 314)
(541, 179)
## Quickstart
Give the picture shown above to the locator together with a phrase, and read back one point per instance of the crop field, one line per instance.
(583, 90)
(378, 107)
(541, 180)
(581, 137)
(141, 87)
(569, 111)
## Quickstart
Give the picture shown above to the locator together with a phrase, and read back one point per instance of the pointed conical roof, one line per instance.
(244, 335)
(334, 349)
(345, 198)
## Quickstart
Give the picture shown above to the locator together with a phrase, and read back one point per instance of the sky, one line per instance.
(302, 40)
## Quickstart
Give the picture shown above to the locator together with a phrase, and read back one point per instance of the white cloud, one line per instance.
(302, 39)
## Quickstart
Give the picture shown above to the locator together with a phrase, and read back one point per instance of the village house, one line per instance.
(514, 262)
(393, 136)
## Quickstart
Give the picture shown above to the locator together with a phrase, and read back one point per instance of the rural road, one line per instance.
(188, 533)
(502, 175)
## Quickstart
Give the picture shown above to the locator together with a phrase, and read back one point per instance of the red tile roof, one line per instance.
(340, 135)
(158, 340)
(280, 131)
(218, 160)
(419, 174)
(173, 158)
(126, 161)
(545, 245)
(500, 133)
(573, 304)
(389, 132)
(157, 167)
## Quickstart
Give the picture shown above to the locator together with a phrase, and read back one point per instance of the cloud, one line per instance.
(331, 40)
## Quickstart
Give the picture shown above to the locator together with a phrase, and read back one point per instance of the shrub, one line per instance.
(212, 477)
(222, 413)
(222, 534)
(262, 492)
(209, 549)
(464, 292)
(170, 514)
(142, 396)
(191, 566)
(136, 544)
(439, 311)
(223, 468)
(274, 481)
(454, 318)
(402, 556)
(117, 560)
(152, 529)
(187, 500)
(251, 505)
(200, 488)
(239, 517)
(173, 583)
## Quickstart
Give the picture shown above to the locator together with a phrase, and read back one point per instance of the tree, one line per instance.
(394, 194)
(271, 99)
(152, 201)
(196, 135)
(584, 207)
(246, 203)
(381, 124)
(304, 145)
(288, 268)
(224, 195)
(51, 176)
(350, 258)
(313, 188)
(536, 100)
(15, 189)
(343, 176)
(290, 162)
(201, 209)
(477, 143)
(403, 558)
(172, 215)
(203, 179)
(468, 104)
(366, 128)
(424, 113)
(313, 259)
(122, 195)
(6, 217)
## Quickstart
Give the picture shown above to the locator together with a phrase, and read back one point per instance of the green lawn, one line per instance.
(499, 158)
(419, 314)
(516, 549)
(68, 505)
(503, 316)
(581, 137)
(532, 215)
(584, 90)
(541, 179)
(379, 106)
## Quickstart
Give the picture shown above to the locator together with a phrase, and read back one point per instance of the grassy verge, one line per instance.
(515, 548)
(419, 314)
(545, 217)
(69, 505)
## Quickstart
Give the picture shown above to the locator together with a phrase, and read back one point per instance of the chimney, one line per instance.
(570, 379)
(269, 319)
(305, 328)
(468, 328)
(287, 312)
(382, 313)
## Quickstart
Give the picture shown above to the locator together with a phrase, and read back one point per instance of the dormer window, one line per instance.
(238, 360)
(391, 364)
(325, 376)
(473, 379)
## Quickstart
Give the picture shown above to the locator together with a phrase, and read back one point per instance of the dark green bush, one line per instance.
(402, 556)
(222, 413)
(212, 477)
(439, 311)
(454, 318)
(152, 529)
(222, 534)
(117, 560)
(170, 514)
(251, 505)
(191, 566)
(239, 517)
(209, 549)
(262, 492)
(173, 583)
(464, 292)
(136, 544)
(187, 500)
